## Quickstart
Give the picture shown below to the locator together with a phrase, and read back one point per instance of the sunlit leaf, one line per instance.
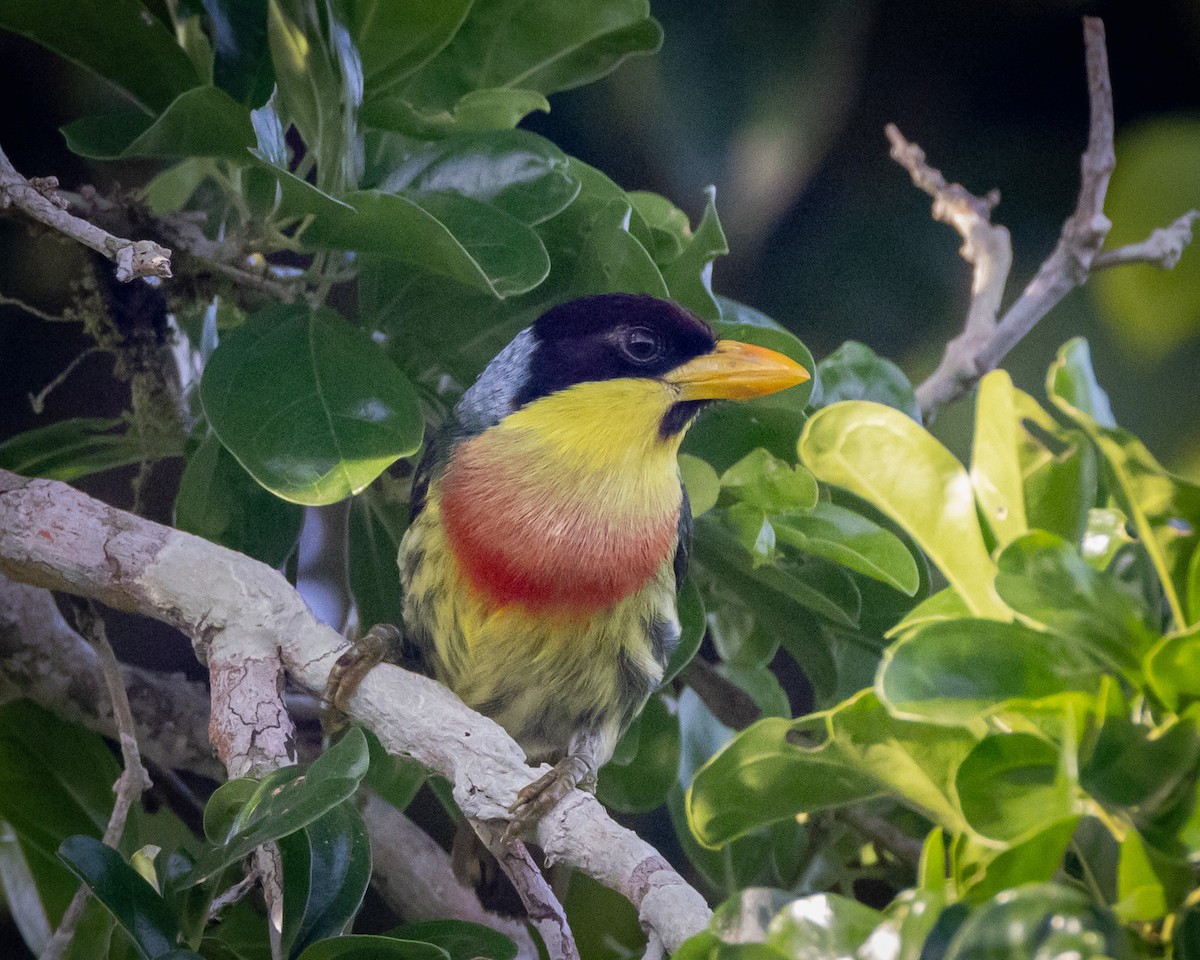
(995, 461)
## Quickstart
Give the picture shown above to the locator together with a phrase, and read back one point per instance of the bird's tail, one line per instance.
(475, 866)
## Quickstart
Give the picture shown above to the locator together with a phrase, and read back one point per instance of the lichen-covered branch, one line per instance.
(986, 340)
(54, 536)
(37, 198)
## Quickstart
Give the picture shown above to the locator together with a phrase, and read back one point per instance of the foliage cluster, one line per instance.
(1003, 660)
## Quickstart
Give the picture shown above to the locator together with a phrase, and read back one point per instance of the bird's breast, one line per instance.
(533, 526)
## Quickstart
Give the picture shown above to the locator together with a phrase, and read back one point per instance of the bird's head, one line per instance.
(615, 351)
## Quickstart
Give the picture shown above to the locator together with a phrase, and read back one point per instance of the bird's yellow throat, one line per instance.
(571, 502)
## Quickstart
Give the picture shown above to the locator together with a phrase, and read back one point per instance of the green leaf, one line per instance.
(1164, 510)
(772, 485)
(242, 63)
(170, 190)
(309, 405)
(1036, 922)
(1012, 785)
(364, 947)
(1172, 669)
(395, 779)
(118, 41)
(469, 241)
(1035, 860)
(1157, 162)
(692, 625)
(642, 782)
(856, 372)
(943, 605)
(81, 446)
(460, 939)
(203, 122)
(954, 671)
(538, 45)
(995, 461)
(1104, 537)
(613, 260)
(669, 226)
(221, 502)
(136, 905)
(689, 275)
(516, 171)
(1140, 894)
(500, 108)
(776, 769)
(1059, 469)
(843, 536)
(907, 924)
(282, 803)
(882, 456)
(326, 869)
(821, 926)
(397, 37)
(701, 482)
(1044, 578)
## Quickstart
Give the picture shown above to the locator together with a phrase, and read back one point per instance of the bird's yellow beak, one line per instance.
(736, 371)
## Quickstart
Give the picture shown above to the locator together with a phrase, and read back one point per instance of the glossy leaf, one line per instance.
(287, 801)
(689, 275)
(203, 122)
(326, 869)
(767, 483)
(691, 622)
(843, 536)
(220, 501)
(396, 37)
(365, 947)
(460, 939)
(1046, 579)
(518, 172)
(1012, 785)
(1037, 859)
(309, 405)
(995, 462)
(81, 446)
(856, 372)
(1172, 669)
(701, 482)
(881, 455)
(499, 108)
(1037, 921)
(540, 46)
(641, 783)
(1104, 537)
(776, 769)
(136, 905)
(241, 64)
(118, 41)
(1059, 469)
(613, 260)
(472, 242)
(954, 671)
(1164, 510)
(821, 926)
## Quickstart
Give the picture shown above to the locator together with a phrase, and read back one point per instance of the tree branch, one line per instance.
(985, 342)
(37, 198)
(54, 536)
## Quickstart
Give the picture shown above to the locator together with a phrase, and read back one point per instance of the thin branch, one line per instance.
(37, 198)
(34, 311)
(545, 912)
(1162, 248)
(129, 785)
(985, 342)
(37, 401)
(55, 536)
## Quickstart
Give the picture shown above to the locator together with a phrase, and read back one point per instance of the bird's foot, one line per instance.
(540, 797)
(378, 644)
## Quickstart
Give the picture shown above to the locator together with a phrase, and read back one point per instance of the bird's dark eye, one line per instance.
(641, 345)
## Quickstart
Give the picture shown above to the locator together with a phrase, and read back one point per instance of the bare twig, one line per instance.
(1162, 248)
(129, 785)
(55, 536)
(985, 342)
(545, 912)
(37, 198)
(416, 879)
(34, 311)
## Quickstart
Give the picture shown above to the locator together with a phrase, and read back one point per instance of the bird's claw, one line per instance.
(537, 799)
(367, 652)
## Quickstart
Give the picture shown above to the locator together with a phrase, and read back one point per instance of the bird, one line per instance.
(550, 529)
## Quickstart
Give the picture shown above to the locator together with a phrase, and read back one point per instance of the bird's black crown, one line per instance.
(609, 336)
